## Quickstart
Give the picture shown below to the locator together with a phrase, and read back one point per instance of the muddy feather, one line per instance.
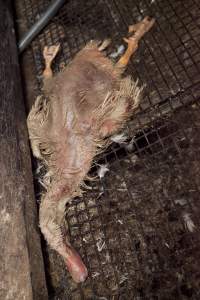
(80, 108)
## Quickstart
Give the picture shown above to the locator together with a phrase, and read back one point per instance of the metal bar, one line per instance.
(40, 24)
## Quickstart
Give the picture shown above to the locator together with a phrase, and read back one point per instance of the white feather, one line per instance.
(119, 51)
(123, 278)
(100, 245)
(189, 224)
(84, 239)
(103, 169)
(120, 138)
(120, 221)
(180, 201)
(95, 274)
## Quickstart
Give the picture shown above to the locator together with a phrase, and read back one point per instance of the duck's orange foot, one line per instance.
(49, 54)
(141, 27)
(138, 31)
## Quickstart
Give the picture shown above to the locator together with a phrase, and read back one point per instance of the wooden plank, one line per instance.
(21, 263)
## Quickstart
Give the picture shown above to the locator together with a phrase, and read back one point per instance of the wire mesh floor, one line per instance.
(137, 229)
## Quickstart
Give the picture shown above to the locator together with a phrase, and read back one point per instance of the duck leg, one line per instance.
(49, 54)
(39, 110)
(138, 31)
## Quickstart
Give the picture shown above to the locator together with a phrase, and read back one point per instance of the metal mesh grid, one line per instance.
(131, 227)
(168, 58)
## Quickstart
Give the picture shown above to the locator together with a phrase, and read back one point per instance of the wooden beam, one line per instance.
(21, 263)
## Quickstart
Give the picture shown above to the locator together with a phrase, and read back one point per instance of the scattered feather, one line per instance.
(122, 190)
(84, 240)
(123, 278)
(189, 224)
(103, 169)
(167, 245)
(118, 52)
(99, 196)
(119, 138)
(100, 245)
(95, 274)
(107, 257)
(120, 221)
(180, 201)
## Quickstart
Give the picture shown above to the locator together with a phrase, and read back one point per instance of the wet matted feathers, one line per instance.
(81, 107)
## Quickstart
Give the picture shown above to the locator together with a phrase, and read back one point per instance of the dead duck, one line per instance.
(82, 105)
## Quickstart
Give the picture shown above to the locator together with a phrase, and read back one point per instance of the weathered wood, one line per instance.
(21, 263)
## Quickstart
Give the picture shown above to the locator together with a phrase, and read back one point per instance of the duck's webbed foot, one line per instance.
(49, 54)
(138, 31)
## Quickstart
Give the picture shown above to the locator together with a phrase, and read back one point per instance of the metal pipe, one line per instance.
(40, 24)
